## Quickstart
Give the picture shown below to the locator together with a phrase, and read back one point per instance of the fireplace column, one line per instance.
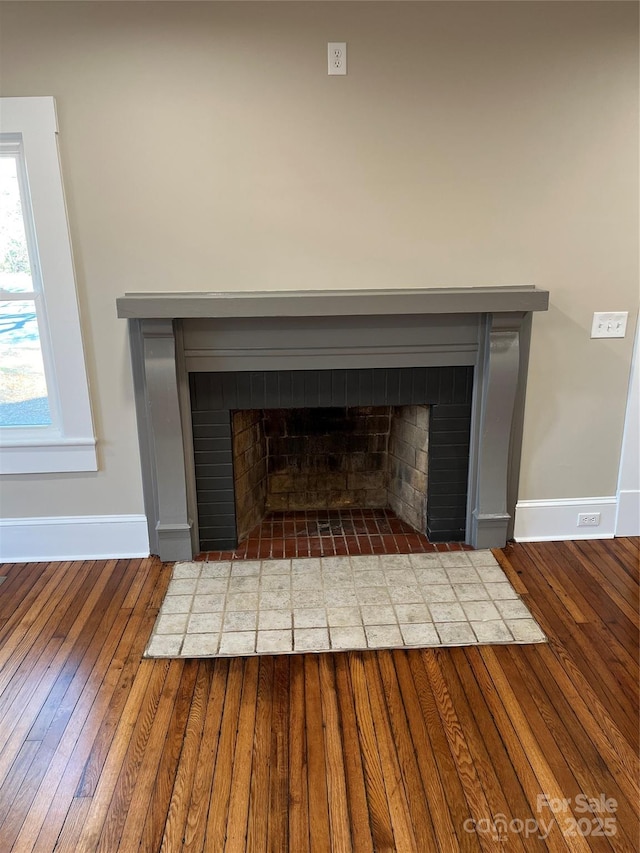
(496, 383)
(153, 356)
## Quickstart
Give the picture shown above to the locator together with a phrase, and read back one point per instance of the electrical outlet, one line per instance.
(588, 519)
(609, 324)
(337, 57)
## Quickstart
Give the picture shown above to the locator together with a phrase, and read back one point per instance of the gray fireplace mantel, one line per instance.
(326, 303)
(174, 334)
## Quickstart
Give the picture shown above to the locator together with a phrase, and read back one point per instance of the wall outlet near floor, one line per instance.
(588, 519)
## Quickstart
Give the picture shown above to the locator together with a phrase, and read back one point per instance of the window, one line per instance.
(45, 416)
(24, 399)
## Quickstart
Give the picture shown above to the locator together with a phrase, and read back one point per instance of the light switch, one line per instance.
(609, 324)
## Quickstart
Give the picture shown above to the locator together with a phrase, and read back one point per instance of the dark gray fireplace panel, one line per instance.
(213, 460)
(281, 389)
(448, 461)
(448, 390)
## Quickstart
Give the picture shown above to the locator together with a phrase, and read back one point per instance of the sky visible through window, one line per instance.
(23, 389)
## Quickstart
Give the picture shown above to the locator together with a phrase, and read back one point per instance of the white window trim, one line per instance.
(69, 443)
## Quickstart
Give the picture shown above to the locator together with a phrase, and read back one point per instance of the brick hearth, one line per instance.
(329, 533)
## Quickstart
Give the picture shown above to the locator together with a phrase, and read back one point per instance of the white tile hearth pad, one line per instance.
(322, 604)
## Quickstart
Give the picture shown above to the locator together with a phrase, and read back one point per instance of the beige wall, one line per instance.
(204, 147)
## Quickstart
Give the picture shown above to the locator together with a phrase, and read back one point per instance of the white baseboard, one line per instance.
(83, 537)
(628, 518)
(542, 521)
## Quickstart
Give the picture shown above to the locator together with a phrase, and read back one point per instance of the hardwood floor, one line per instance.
(481, 748)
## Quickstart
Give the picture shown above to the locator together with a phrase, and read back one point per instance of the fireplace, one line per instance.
(321, 458)
(327, 457)
(202, 360)
(302, 439)
(343, 457)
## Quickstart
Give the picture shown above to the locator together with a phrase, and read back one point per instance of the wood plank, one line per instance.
(459, 748)
(58, 787)
(615, 584)
(298, 776)
(619, 668)
(625, 558)
(515, 749)
(52, 721)
(83, 591)
(84, 623)
(24, 593)
(37, 624)
(339, 827)
(404, 831)
(20, 650)
(556, 579)
(89, 640)
(621, 759)
(503, 792)
(554, 756)
(23, 797)
(619, 566)
(243, 762)
(546, 775)
(579, 751)
(156, 780)
(519, 807)
(16, 777)
(361, 837)
(439, 794)
(278, 827)
(174, 827)
(18, 717)
(195, 831)
(119, 747)
(223, 772)
(445, 763)
(319, 835)
(598, 607)
(516, 577)
(558, 624)
(67, 840)
(259, 785)
(407, 765)
(119, 676)
(379, 810)
(49, 793)
(123, 824)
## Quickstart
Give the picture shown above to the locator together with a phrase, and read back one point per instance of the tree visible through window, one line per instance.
(23, 388)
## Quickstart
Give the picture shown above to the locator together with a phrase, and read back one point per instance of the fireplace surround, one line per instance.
(218, 399)
(252, 340)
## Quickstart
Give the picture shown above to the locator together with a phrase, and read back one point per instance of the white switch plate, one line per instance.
(337, 57)
(607, 324)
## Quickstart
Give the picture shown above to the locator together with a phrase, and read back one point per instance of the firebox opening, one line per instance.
(330, 458)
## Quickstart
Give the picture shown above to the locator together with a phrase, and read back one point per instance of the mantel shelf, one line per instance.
(332, 303)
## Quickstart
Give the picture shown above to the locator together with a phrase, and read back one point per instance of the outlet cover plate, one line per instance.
(337, 57)
(588, 519)
(609, 324)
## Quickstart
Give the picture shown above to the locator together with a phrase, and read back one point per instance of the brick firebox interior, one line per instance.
(330, 458)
